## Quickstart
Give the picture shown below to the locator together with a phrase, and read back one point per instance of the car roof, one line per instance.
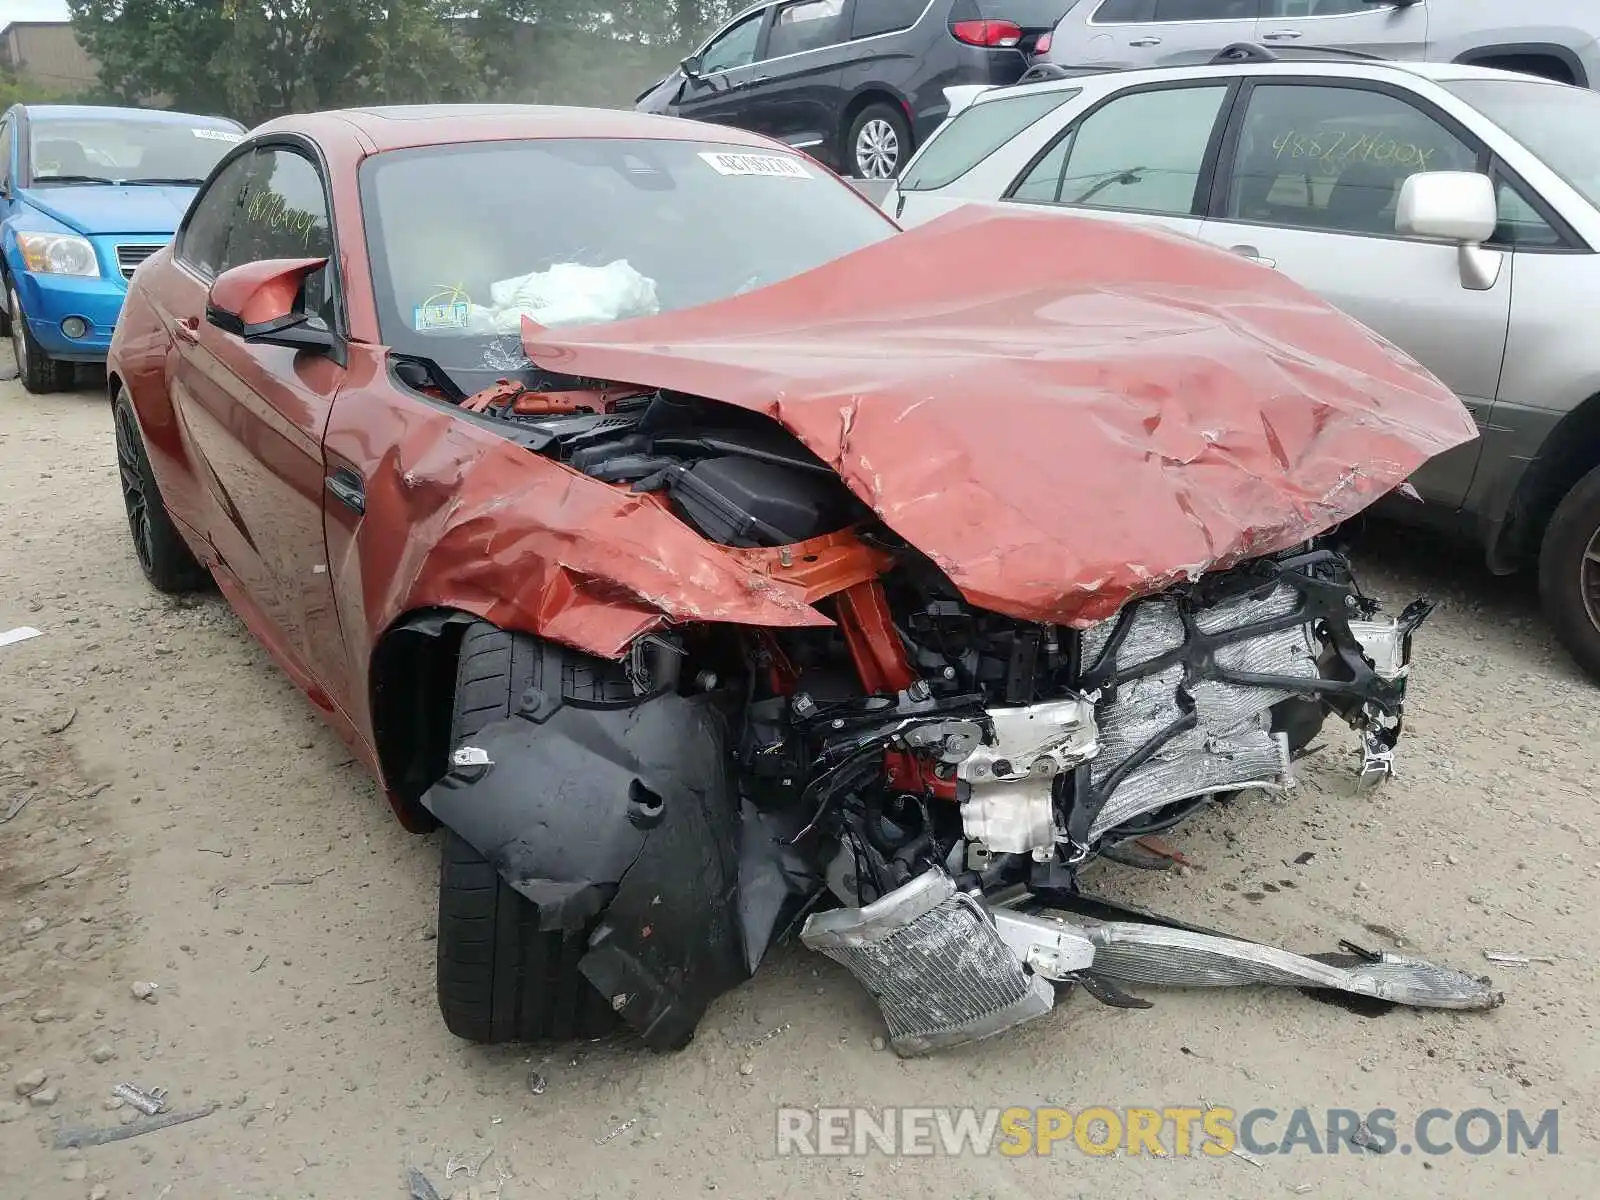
(400, 127)
(1332, 66)
(109, 112)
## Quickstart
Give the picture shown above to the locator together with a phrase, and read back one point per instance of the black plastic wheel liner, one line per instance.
(628, 815)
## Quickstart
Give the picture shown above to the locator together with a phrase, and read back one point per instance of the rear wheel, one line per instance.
(878, 142)
(38, 371)
(166, 561)
(501, 978)
(1569, 572)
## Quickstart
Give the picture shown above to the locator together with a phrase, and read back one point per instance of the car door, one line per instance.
(1138, 157)
(1368, 26)
(256, 413)
(1310, 186)
(1167, 33)
(794, 93)
(722, 86)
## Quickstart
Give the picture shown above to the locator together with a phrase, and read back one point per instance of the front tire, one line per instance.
(500, 977)
(1569, 572)
(163, 556)
(877, 143)
(39, 372)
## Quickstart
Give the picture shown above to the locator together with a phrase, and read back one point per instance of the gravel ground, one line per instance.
(190, 823)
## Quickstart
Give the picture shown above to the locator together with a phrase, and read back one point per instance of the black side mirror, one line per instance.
(690, 67)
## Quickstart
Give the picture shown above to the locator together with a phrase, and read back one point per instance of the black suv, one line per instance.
(857, 84)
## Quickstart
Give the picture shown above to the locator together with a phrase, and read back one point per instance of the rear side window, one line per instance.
(885, 16)
(976, 132)
(1124, 12)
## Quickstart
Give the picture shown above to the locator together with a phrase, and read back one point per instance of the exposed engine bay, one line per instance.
(935, 773)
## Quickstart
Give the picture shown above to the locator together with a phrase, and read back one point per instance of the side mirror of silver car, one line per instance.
(1454, 206)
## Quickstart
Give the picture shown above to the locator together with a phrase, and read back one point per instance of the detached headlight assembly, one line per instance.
(58, 254)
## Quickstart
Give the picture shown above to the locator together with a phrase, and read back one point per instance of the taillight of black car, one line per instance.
(999, 34)
(1024, 25)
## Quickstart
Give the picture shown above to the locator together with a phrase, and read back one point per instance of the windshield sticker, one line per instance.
(1342, 149)
(218, 135)
(773, 166)
(451, 314)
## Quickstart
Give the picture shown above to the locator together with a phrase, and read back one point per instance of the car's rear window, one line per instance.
(975, 133)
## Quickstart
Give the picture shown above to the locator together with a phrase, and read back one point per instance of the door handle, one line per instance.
(1254, 255)
(348, 489)
(1281, 35)
(187, 329)
(1145, 41)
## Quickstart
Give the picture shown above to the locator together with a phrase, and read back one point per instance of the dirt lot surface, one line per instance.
(190, 823)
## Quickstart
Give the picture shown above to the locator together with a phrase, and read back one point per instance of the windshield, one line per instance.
(70, 150)
(466, 240)
(1556, 122)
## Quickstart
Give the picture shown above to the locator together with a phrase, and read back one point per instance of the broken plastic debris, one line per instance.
(151, 1102)
(20, 634)
(419, 1185)
(617, 1132)
(66, 1139)
(1521, 960)
(454, 1166)
(536, 1083)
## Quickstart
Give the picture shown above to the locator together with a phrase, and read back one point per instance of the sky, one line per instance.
(32, 10)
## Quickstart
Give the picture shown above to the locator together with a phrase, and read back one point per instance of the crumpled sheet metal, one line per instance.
(1062, 413)
(458, 517)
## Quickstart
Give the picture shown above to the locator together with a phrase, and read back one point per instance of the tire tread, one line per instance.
(500, 978)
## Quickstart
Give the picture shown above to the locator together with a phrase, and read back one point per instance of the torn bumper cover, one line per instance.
(947, 969)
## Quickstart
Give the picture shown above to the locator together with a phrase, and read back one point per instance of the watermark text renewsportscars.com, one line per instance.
(1170, 1131)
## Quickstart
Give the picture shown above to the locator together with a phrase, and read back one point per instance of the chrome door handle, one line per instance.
(1254, 255)
(1281, 35)
(1145, 41)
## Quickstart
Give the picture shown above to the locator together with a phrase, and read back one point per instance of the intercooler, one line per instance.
(934, 961)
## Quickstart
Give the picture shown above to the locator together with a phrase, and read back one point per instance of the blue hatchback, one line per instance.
(86, 195)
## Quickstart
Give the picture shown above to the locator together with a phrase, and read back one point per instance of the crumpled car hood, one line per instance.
(1062, 414)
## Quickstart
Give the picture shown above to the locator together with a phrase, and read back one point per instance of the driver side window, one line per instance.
(736, 47)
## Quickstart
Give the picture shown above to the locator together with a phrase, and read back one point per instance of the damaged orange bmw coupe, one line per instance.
(717, 562)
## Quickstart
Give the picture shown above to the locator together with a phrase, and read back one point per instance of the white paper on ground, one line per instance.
(20, 634)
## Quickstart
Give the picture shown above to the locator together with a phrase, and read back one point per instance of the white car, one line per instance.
(1453, 209)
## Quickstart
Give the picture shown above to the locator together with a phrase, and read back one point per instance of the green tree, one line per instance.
(254, 59)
